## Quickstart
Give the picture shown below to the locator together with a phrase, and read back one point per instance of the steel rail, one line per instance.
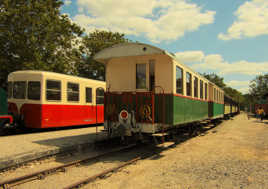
(94, 177)
(41, 174)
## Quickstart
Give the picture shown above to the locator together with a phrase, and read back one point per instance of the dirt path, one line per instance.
(232, 155)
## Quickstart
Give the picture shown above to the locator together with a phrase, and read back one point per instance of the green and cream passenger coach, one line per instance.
(149, 91)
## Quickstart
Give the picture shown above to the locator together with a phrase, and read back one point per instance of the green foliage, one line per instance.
(233, 93)
(34, 35)
(93, 43)
(214, 78)
(259, 88)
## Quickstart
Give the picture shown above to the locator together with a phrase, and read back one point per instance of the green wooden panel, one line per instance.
(188, 110)
(3, 102)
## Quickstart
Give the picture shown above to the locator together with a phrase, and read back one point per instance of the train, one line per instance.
(41, 99)
(147, 91)
(150, 91)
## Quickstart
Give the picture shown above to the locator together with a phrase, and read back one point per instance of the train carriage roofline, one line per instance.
(48, 73)
(138, 49)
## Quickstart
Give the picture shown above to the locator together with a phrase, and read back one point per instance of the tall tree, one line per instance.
(259, 87)
(214, 78)
(233, 93)
(93, 43)
(34, 35)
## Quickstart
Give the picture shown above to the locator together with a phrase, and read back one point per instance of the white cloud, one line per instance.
(67, 2)
(158, 20)
(215, 63)
(251, 21)
(190, 56)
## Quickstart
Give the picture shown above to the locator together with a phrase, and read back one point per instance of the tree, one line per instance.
(34, 35)
(258, 87)
(94, 42)
(214, 78)
(233, 93)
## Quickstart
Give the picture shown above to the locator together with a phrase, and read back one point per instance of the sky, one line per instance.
(226, 37)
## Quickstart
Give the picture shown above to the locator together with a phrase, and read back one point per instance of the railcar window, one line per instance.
(34, 90)
(201, 89)
(19, 89)
(188, 84)
(206, 91)
(53, 90)
(179, 83)
(99, 96)
(9, 89)
(73, 92)
(140, 76)
(88, 95)
(215, 94)
(195, 87)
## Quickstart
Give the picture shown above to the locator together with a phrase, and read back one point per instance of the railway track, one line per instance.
(46, 173)
(9, 183)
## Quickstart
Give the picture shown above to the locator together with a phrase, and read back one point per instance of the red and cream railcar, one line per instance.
(40, 99)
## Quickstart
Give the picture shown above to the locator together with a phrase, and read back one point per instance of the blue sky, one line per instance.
(226, 37)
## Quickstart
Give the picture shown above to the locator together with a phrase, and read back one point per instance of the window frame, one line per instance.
(70, 92)
(195, 87)
(28, 92)
(201, 84)
(54, 90)
(188, 88)
(145, 86)
(99, 97)
(179, 90)
(25, 90)
(86, 95)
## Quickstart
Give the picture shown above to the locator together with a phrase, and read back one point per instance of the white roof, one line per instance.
(49, 74)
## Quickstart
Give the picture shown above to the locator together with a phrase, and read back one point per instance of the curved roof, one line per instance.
(51, 74)
(127, 49)
(134, 49)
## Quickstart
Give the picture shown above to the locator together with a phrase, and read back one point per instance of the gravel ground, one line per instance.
(232, 155)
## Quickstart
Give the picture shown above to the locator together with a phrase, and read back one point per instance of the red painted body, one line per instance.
(9, 117)
(52, 115)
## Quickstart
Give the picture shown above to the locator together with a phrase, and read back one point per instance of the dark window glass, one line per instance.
(100, 96)
(53, 90)
(73, 92)
(9, 89)
(188, 84)
(206, 91)
(141, 76)
(179, 83)
(195, 87)
(214, 94)
(19, 89)
(201, 89)
(88, 94)
(34, 90)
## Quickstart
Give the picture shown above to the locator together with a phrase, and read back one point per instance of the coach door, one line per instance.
(99, 105)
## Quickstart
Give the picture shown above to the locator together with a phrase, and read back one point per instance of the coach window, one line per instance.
(201, 89)
(53, 90)
(215, 94)
(206, 91)
(73, 92)
(34, 90)
(179, 83)
(195, 87)
(9, 89)
(140, 76)
(19, 89)
(88, 95)
(188, 84)
(99, 96)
